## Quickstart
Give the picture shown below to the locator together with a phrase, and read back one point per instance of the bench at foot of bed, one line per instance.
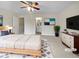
(34, 53)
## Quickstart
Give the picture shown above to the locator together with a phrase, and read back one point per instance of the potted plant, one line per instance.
(57, 30)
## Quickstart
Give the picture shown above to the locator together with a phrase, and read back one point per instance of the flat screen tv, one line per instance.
(73, 22)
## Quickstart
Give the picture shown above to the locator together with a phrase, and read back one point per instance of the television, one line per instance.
(46, 23)
(73, 22)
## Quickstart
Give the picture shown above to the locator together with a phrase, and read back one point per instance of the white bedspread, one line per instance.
(21, 41)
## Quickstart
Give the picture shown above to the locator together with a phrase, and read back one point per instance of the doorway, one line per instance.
(21, 25)
(38, 25)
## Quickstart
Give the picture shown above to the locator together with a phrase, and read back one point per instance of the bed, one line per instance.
(21, 44)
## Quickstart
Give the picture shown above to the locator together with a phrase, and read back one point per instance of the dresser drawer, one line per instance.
(68, 40)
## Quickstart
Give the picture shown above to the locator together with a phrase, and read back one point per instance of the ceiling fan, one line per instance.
(32, 5)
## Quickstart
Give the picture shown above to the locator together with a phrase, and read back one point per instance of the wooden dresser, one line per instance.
(71, 41)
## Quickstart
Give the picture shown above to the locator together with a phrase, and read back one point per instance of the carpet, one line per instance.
(46, 52)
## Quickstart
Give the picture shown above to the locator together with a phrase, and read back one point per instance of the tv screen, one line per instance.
(73, 22)
(46, 23)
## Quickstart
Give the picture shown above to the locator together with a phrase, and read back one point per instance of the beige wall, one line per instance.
(69, 12)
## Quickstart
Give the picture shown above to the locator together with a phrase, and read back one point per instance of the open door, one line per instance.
(38, 25)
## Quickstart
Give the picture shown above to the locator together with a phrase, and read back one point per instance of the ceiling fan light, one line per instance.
(29, 8)
(32, 9)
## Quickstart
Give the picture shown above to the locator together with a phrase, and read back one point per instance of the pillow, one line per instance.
(4, 33)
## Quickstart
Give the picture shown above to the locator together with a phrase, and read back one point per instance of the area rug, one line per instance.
(46, 52)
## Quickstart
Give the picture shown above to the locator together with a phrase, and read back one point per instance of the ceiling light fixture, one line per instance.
(30, 9)
(31, 6)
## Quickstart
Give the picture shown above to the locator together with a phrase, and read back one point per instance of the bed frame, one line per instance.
(34, 53)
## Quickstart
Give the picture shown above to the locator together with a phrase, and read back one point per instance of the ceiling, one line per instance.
(54, 6)
(45, 6)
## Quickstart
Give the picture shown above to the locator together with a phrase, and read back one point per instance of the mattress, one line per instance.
(21, 41)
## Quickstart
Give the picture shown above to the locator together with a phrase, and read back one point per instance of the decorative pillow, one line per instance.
(4, 33)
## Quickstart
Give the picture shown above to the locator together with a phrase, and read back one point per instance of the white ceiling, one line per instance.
(13, 6)
(45, 6)
(54, 6)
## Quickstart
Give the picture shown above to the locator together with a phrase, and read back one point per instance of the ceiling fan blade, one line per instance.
(23, 7)
(36, 8)
(23, 2)
(30, 5)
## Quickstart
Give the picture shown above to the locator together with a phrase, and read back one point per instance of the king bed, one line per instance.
(21, 44)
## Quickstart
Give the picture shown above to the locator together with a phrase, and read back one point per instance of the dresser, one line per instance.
(70, 40)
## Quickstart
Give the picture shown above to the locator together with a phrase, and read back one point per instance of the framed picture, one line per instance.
(52, 21)
(1, 20)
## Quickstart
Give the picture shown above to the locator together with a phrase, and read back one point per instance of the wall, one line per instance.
(69, 12)
(48, 15)
(15, 25)
(29, 24)
(8, 19)
(48, 30)
(29, 20)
